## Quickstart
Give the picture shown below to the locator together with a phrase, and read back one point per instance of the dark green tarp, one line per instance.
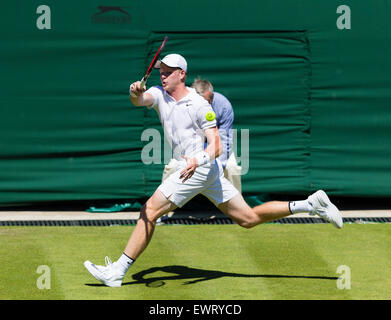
(314, 99)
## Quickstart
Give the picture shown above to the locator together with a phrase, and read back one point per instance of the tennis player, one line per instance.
(187, 120)
(224, 121)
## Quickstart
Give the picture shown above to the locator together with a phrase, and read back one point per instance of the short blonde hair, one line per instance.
(202, 85)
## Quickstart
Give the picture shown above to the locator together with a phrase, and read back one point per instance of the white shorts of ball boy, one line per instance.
(207, 180)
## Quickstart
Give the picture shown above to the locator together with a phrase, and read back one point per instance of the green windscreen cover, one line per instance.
(311, 100)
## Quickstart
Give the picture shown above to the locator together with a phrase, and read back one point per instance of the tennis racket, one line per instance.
(150, 68)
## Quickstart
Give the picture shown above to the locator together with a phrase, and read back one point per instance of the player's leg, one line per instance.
(155, 207)
(238, 210)
(113, 273)
(229, 200)
(318, 203)
(231, 203)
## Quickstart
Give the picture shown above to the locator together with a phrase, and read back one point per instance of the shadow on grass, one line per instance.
(199, 275)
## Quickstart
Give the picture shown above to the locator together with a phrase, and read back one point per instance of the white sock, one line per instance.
(302, 206)
(124, 262)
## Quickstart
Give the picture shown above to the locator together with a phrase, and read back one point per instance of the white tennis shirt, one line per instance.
(184, 121)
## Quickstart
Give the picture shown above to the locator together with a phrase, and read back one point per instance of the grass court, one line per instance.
(201, 262)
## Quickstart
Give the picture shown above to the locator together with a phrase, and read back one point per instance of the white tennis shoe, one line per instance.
(110, 275)
(323, 207)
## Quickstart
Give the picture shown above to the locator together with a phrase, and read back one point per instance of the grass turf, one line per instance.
(201, 262)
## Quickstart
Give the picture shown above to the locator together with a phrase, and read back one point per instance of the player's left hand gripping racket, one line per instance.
(150, 68)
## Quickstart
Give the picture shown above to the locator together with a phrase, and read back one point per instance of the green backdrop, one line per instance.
(315, 99)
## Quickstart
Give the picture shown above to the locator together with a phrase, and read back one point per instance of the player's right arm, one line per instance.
(141, 98)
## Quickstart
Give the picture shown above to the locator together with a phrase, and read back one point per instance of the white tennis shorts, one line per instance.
(208, 180)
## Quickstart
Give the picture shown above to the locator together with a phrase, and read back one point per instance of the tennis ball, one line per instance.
(210, 116)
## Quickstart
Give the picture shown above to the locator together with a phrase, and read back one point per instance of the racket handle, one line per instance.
(142, 84)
